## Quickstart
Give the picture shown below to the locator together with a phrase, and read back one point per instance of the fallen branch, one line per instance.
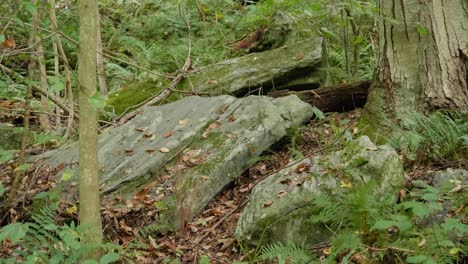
(343, 97)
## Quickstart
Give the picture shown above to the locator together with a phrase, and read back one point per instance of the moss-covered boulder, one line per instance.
(281, 206)
(267, 70)
(10, 137)
(188, 150)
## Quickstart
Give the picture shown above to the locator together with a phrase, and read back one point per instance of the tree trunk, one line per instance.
(90, 214)
(422, 64)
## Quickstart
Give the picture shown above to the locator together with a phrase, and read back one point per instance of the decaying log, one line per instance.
(340, 98)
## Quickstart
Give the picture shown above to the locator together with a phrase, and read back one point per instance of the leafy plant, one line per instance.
(289, 253)
(44, 241)
(439, 136)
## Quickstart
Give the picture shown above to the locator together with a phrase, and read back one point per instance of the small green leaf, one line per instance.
(29, 7)
(319, 114)
(57, 84)
(97, 100)
(89, 261)
(14, 232)
(446, 243)
(383, 224)
(2, 189)
(23, 167)
(417, 259)
(451, 223)
(422, 30)
(5, 155)
(67, 175)
(2, 37)
(109, 258)
(358, 40)
(204, 260)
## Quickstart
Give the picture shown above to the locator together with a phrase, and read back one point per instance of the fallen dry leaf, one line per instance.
(164, 150)
(232, 118)
(268, 203)
(208, 130)
(282, 193)
(183, 121)
(226, 243)
(150, 150)
(141, 129)
(168, 133)
(303, 167)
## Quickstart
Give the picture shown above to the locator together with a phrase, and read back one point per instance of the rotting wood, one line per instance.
(340, 98)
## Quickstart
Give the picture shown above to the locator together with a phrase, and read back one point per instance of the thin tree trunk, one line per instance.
(58, 119)
(101, 71)
(19, 173)
(346, 44)
(43, 117)
(422, 62)
(68, 89)
(90, 214)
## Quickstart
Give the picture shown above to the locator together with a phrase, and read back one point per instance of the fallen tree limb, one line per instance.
(340, 98)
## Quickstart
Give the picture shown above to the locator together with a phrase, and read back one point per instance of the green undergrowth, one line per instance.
(419, 229)
(41, 239)
(441, 136)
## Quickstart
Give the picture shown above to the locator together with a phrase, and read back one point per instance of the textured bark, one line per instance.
(101, 71)
(340, 98)
(90, 215)
(422, 64)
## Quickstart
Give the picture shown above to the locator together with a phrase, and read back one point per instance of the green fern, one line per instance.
(281, 253)
(43, 241)
(439, 136)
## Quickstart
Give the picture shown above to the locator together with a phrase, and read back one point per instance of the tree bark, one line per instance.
(101, 71)
(422, 64)
(90, 214)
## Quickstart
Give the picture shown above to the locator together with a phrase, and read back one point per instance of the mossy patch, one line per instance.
(132, 95)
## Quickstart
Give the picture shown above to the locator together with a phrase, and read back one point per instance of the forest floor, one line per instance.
(211, 234)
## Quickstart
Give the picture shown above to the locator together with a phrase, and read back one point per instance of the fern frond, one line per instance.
(281, 253)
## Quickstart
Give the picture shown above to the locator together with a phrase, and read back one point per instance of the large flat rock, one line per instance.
(198, 145)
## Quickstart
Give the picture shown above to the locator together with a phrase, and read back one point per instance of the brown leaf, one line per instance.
(268, 203)
(230, 204)
(303, 167)
(232, 118)
(244, 190)
(140, 196)
(226, 243)
(210, 128)
(286, 181)
(168, 133)
(147, 135)
(282, 194)
(150, 150)
(128, 150)
(141, 129)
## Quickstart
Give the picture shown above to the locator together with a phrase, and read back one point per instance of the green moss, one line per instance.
(132, 95)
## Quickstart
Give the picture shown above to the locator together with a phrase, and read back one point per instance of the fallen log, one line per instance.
(340, 98)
